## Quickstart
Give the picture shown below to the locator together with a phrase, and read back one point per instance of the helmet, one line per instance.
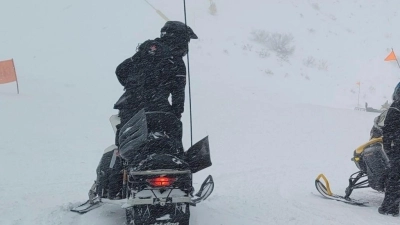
(177, 36)
(396, 93)
(177, 30)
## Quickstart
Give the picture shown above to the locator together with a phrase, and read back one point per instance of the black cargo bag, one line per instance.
(109, 175)
(198, 156)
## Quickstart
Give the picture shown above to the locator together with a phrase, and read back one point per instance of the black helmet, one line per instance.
(396, 93)
(177, 36)
(177, 30)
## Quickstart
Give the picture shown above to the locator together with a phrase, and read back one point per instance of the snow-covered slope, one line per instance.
(273, 125)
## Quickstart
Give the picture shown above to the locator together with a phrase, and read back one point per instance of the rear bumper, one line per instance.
(156, 201)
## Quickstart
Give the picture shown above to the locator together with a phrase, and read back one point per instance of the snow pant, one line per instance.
(168, 123)
(109, 180)
(155, 122)
(392, 194)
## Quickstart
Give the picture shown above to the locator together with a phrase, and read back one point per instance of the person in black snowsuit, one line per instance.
(153, 74)
(391, 145)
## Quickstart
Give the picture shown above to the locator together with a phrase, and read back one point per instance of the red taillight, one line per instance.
(161, 181)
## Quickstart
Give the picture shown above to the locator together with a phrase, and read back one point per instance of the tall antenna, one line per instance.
(190, 94)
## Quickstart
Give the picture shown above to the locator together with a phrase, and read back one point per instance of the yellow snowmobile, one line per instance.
(372, 162)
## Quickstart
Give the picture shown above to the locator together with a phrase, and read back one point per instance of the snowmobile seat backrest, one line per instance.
(133, 135)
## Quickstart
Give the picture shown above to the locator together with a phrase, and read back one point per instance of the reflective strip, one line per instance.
(113, 159)
(395, 108)
(181, 75)
(110, 148)
(156, 201)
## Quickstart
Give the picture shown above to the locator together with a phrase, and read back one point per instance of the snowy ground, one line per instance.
(270, 134)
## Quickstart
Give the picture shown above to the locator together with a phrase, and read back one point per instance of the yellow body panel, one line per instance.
(360, 149)
(328, 189)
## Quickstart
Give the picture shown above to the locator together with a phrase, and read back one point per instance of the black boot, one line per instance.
(394, 211)
(390, 204)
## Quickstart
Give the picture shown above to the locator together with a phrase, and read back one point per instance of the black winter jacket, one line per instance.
(150, 77)
(391, 132)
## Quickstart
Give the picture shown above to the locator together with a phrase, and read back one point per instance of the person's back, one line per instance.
(155, 73)
(149, 78)
(165, 82)
(141, 76)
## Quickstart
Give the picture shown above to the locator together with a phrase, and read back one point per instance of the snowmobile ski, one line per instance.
(326, 192)
(87, 206)
(205, 190)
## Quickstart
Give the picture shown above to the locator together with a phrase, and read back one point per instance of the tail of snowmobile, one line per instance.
(163, 196)
(159, 189)
(157, 174)
(372, 162)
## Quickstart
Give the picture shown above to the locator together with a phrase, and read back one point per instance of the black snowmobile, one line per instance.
(372, 163)
(157, 177)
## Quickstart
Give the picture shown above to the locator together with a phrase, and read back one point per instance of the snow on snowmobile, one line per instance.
(372, 163)
(157, 184)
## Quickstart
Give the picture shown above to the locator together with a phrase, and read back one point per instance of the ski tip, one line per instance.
(86, 207)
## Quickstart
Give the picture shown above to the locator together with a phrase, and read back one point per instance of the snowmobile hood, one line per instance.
(360, 149)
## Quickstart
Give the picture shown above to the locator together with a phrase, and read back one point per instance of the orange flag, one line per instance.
(7, 72)
(358, 83)
(391, 56)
